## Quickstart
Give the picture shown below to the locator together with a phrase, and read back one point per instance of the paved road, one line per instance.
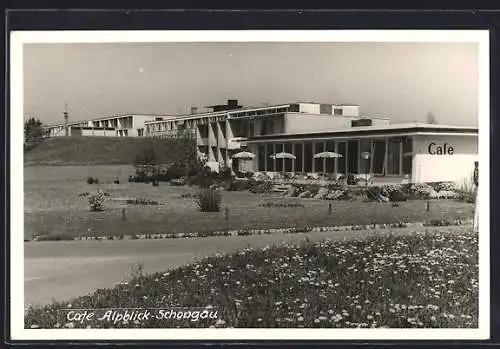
(65, 269)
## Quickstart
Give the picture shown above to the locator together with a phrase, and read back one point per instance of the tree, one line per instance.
(431, 119)
(34, 133)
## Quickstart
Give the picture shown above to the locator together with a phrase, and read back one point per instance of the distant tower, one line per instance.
(66, 118)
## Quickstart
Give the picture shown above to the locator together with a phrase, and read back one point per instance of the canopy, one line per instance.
(327, 154)
(283, 155)
(243, 155)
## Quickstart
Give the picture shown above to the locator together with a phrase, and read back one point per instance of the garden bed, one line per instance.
(421, 281)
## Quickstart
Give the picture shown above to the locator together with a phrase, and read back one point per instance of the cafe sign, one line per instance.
(440, 149)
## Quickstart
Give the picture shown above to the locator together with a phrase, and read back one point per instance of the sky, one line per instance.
(402, 81)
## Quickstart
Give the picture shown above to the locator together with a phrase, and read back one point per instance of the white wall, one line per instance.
(456, 167)
(99, 133)
(309, 108)
(348, 110)
(139, 120)
(296, 123)
(380, 122)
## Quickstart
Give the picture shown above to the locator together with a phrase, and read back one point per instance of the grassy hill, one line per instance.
(92, 151)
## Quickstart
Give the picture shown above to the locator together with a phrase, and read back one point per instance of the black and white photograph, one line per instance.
(260, 184)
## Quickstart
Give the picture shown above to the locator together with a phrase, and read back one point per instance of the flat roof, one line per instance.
(332, 104)
(374, 130)
(218, 113)
(108, 118)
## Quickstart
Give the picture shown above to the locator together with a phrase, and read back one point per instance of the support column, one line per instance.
(324, 159)
(283, 160)
(385, 155)
(274, 160)
(312, 157)
(401, 158)
(303, 157)
(293, 160)
(265, 157)
(336, 161)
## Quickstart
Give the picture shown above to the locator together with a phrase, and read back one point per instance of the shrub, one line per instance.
(313, 189)
(447, 194)
(116, 181)
(238, 185)
(205, 178)
(351, 180)
(209, 200)
(96, 200)
(373, 192)
(389, 188)
(337, 185)
(398, 195)
(444, 186)
(422, 191)
(90, 180)
(225, 173)
(466, 191)
(96, 180)
(260, 187)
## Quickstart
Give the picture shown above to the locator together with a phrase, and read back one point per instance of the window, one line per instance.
(308, 157)
(215, 129)
(262, 157)
(338, 111)
(222, 125)
(364, 165)
(216, 153)
(289, 162)
(407, 155)
(393, 156)
(378, 156)
(341, 147)
(330, 163)
(299, 159)
(318, 163)
(352, 157)
(140, 132)
(125, 132)
(361, 122)
(269, 160)
(294, 108)
(279, 162)
(203, 131)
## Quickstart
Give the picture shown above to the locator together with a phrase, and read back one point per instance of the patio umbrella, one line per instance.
(327, 155)
(283, 155)
(243, 155)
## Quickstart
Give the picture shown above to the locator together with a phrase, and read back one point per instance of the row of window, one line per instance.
(390, 156)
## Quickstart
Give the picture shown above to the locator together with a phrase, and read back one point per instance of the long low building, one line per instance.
(124, 125)
(368, 146)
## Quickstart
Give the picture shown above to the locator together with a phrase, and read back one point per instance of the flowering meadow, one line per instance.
(419, 280)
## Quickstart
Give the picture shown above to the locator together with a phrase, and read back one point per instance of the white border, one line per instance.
(481, 37)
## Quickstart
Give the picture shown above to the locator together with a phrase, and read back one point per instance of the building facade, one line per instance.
(126, 125)
(396, 153)
(369, 146)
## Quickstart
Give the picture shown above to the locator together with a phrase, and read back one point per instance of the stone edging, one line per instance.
(246, 232)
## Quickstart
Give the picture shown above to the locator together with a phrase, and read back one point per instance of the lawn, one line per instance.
(53, 206)
(421, 280)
